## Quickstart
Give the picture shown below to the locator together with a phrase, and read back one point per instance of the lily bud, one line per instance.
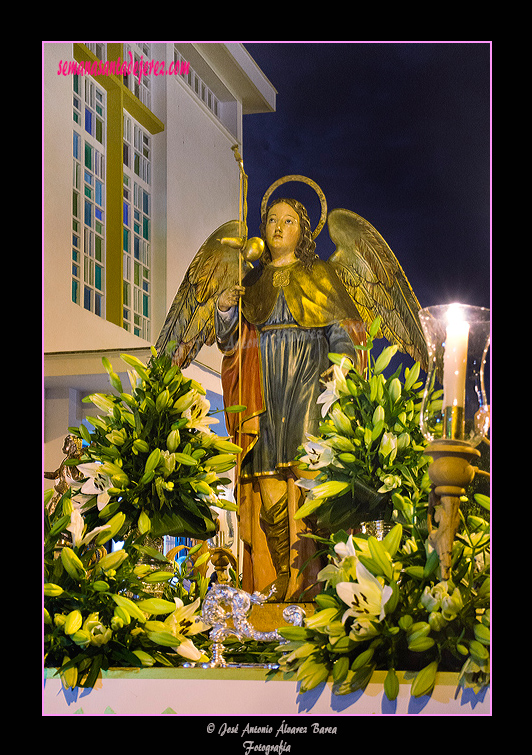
(73, 622)
(140, 445)
(60, 619)
(394, 389)
(452, 604)
(384, 358)
(121, 613)
(330, 489)
(81, 638)
(172, 441)
(145, 658)
(131, 607)
(112, 560)
(436, 621)
(378, 415)
(185, 402)
(341, 421)
(115, 523)
(72, 564)
(156, 606)
(144, 523)
(388, 446)
(52, 590)
(70, 676)
(152, 460)
(162, 401)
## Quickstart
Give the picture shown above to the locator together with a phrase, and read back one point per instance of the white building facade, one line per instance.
(138, 170)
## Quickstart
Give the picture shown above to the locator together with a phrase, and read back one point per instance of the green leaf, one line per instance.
(370, 564)
(392, 540)
(415, 571)
(431, 564)
(60, 525)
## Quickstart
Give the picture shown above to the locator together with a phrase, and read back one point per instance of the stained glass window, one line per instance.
(137, 230)
(88, 195)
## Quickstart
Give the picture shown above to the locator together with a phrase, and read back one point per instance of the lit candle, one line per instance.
(454, 372)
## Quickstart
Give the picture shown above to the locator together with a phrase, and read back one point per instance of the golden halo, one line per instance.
(301, 179)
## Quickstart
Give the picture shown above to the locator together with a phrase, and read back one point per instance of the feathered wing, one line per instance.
(376, 282)
(190, 319)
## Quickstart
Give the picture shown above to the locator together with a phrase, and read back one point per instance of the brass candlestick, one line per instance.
(450, 473)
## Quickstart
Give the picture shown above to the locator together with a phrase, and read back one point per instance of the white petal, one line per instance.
(188, 650)
(92, 534)
(386, 595)
(346, 591)
(306, 483)
(89, 470)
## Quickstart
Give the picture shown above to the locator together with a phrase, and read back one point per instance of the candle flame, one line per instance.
(455, 313)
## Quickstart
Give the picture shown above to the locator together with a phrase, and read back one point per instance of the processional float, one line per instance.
(379, 288)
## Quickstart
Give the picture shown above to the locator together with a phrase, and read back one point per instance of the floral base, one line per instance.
(248, 692)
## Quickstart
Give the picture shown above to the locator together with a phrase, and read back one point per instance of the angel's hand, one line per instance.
(230, 297)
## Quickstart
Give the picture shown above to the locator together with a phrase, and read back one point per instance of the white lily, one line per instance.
(344, 550)
(77, 529)
(366, 598)
(318, 454)
(334, 389)
(197, 415)
(182, 620)
(344, 567)
(182, 623)
(97, 484)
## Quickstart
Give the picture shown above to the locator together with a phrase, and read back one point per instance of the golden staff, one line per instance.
(249, 250)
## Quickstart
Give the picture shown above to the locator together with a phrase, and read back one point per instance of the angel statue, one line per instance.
(275, 322)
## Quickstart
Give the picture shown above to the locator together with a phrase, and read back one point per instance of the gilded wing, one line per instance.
(376, 282)
(190, 319)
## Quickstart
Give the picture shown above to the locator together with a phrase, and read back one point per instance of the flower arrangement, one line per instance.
(383, 605)
(150, 467)
(99, 609)
(370, 443)
(152, 463)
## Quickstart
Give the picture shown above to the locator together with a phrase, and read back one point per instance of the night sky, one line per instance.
(398, 133)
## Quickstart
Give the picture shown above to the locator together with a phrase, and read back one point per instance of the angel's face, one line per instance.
(282, 230)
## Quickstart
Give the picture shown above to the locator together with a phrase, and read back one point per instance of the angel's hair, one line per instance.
(306, 244)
